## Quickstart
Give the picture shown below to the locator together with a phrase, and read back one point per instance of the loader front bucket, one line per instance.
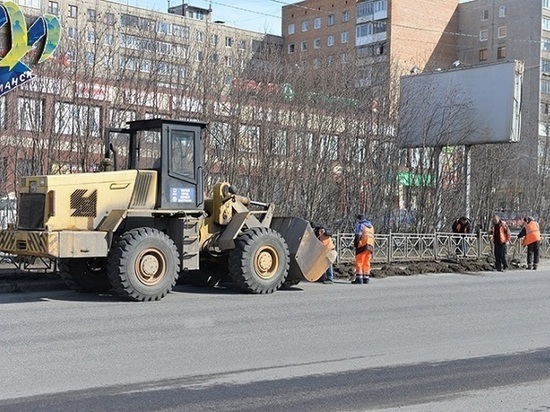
(309, 258)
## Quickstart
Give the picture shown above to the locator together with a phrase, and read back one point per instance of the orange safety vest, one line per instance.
(503, 233)
(327, 241)
(367, 238)
(532, 233)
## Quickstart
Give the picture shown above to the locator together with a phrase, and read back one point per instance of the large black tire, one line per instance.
(143, 265)
(85, 274)
(287, 284)
(260, 261)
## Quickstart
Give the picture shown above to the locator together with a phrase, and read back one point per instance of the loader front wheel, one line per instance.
(143, 264)
(260, 261)
(85, 274)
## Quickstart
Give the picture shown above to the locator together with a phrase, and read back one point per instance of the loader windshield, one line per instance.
(182, 154)
(147, 150)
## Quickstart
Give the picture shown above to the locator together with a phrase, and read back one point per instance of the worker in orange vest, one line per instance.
(531, 238)
(364, 248)
(500, 237)
(326, 238)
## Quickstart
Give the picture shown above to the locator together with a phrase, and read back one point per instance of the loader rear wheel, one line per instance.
(85, 274)
(143, 264)
(260, 261)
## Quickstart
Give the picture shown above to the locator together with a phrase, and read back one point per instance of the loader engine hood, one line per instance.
(82, 201)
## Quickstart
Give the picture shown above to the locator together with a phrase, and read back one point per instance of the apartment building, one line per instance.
(502, 30)
(117, 63)
(389, 36)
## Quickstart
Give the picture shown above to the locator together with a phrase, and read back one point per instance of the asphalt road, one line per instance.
(423, 343)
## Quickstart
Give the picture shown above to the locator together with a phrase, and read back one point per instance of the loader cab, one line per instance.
(173, 148)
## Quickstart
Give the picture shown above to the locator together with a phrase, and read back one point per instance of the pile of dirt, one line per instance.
(418, 268)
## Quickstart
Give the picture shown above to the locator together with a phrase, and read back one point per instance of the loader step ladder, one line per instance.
(191, 245)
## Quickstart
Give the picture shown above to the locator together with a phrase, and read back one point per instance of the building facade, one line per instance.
(503, 30)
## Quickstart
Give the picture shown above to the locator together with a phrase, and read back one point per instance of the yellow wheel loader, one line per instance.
(134, 226)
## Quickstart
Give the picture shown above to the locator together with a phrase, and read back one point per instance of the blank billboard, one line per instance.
(468, 106)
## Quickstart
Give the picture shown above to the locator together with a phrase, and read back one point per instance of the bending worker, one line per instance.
(531, 238)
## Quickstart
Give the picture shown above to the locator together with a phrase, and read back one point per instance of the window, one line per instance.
(180, 31)
(90, 36)
(91, 15)
(108, 39)
(317, 23)
(502, 11)
(164, 27)
(73, 11)
(199, 36)
(545, 86)
(30, 114)
(242, 44)
(77, 119)
(127, 20)
(546, 4)
(228, 61)
(330, 40)
(330, 20)
(291, 48)
(229, 42)
(345, 58)
(2, 112)
(502, 31)
(545, 44)
(180, 51)
(163, 48)
(53, 7)
(291, 29)
(345, 16)
(108, 61)
(214, 39)
(483, 54)
(484, 15)
(316, 63)
(198, 56)
(501, 52)
(89, 58)
(344, 37)
(146, 24)
(109, 18)
(317, 43)
(72, 33)
(303, 46)
(279, 143)
(545, 108)
(545, 66)
(249, 138)
(484, 35)
(305, 25)
(30, 3)
(329, 147)
(546, 23)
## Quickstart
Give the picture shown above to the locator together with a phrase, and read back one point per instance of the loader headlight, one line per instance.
(42, 181)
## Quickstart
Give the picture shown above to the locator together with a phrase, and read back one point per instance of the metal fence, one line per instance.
(415, 247)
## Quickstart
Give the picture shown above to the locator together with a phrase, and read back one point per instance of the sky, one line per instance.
(262, 16)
